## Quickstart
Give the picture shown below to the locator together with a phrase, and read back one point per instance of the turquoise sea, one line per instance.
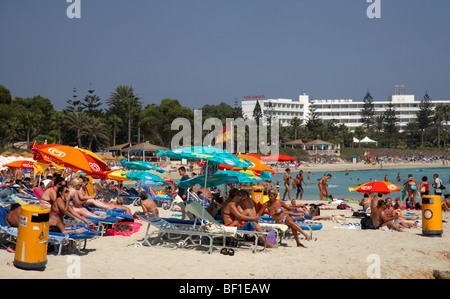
(340, 182)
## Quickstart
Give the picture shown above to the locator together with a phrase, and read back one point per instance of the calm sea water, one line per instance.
(340, 182)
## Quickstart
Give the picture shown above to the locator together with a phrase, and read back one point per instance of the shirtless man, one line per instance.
(12, 219)
(323, 186)
(379, 218)
(234, 215)
(19, 175)
(287, 179)
(248, 203)
(298, 182)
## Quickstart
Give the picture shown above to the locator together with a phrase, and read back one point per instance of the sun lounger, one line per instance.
(170, 232)
(58, 239)
(213, 225)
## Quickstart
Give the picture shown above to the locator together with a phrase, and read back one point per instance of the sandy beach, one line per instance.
(341, 251)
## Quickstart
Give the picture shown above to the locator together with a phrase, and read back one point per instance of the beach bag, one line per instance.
(359, 214)
(442, 185)
(366, 223)
(314, 210)
(272, 237)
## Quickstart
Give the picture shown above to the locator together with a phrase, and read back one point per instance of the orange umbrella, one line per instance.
(280, 158)
(70, 157)
(25, 164)
(376, 187)
(257, 166)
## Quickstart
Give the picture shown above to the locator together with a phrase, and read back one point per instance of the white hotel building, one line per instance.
(343, 111)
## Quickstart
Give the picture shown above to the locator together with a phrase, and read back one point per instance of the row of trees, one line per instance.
(95, 124)
(85, 123)
(429, 128)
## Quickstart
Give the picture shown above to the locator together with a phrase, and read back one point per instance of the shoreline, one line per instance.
(328, 167)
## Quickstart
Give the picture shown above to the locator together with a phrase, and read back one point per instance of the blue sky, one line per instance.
(207, 51)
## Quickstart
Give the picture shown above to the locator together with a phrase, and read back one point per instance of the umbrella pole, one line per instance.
(204, 193)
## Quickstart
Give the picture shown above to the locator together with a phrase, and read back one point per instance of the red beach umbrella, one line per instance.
(376, 187)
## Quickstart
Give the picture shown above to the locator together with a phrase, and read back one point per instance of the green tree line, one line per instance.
(94, 124)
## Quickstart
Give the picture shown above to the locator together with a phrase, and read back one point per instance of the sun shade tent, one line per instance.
(368, 140)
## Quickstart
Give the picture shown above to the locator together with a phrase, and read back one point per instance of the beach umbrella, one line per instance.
(117, 175)
(71, 157)
(140, 165)
(24, 164)
(279, 158)
(257, 165)
(144, 175)
(376, 187)
(209, 154)
(221, 177)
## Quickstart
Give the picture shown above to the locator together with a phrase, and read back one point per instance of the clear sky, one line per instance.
(207, 51)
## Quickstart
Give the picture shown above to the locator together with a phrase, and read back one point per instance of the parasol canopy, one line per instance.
(25, 164)
(144, 175)
(257, 165)
(71, 157)
(279, 158)
(140, 165)
(376, 187)
(222, 177)
(210, 154)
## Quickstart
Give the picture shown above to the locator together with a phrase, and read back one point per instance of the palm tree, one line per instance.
(120, 93)
(296, 123)
(115, 122)
(76, 122)
(97, 131)
(123, 101)
(442, 113)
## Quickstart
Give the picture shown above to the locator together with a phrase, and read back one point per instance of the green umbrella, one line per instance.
(143, 175)
(210, 154)
(140, 165)
(223, 177)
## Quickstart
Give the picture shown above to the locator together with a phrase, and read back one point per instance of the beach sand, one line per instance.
(340, 252)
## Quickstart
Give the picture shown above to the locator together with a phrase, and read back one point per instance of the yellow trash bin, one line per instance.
(32, 238)
(431, 216)
(258, 194)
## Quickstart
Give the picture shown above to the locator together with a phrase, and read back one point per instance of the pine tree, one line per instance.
(424, 116)
(368, 111)
(391, 123)
(257, 113)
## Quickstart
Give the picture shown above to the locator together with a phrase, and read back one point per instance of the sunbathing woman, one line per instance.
(49, 195)
(60, 208)
(90, 200)
(276, 208)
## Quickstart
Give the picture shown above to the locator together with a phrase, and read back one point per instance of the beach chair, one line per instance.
(161, 201)
(241, 235)
(73, 241)
(169, 232)
(104, 195)
(305, 225)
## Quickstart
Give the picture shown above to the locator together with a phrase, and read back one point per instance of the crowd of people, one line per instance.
(65, 195)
